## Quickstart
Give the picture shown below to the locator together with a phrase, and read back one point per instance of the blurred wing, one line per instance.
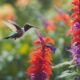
(12, 25)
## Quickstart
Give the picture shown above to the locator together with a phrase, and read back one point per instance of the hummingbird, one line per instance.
(19, 32)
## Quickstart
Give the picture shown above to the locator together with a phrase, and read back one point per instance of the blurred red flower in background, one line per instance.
(50, 26)
(62, 16)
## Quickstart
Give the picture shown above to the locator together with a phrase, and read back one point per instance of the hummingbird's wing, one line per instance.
(27, 27)
(12, 25)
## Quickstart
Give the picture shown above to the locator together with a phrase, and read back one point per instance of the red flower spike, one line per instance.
(75, 2)
(74, 15)
(75, 40)
(75, 8)
(41, 61)
(37, 42)
(49, 40)
(75, 32)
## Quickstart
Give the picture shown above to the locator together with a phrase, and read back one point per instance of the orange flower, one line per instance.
(51, 26)
(7, 12)
(62, 16)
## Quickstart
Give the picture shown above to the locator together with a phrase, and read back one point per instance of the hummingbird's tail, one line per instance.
(7, 37)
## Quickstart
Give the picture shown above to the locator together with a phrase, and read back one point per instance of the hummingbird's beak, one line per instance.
(36, 27)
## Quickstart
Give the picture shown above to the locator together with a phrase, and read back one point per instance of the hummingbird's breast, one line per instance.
(18, 34)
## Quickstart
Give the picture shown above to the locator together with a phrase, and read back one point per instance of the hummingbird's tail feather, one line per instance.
(10, 37)
(7, 37)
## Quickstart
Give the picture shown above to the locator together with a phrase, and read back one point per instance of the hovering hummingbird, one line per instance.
(19, 32)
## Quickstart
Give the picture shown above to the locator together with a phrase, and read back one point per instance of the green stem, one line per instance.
(78, 69)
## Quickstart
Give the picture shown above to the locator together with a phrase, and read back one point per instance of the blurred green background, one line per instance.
(45, 14)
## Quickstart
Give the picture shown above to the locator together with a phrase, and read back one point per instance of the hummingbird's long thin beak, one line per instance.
(32, 26)
(36, 27)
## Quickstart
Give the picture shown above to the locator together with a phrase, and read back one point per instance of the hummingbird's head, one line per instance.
(28, 26)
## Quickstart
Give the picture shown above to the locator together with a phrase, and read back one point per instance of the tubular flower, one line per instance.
(41, 60)
(75, 32)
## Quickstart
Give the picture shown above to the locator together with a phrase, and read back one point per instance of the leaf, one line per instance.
(62, 64)
(67, 73)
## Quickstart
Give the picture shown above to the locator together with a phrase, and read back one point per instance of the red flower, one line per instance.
(75, 32)
(41, 60)
(50, 26)
(76, 2)
(75, 29)
(62, 16)
(77, 39)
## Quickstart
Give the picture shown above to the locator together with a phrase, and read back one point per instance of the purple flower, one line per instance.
(39, 76)
(45, 23)
(75, 50)
(77, 25)
(53, 49)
